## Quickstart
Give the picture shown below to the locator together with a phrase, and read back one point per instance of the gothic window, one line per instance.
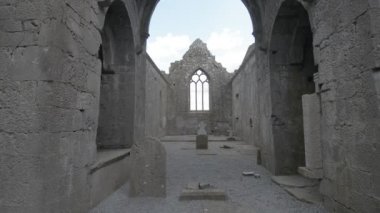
(199, 92)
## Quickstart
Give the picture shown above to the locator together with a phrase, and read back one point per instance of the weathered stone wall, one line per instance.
(49, 101)
(252, 105)
(117, 89)
(182, 121)
(50, 88)
(346, 49)
(156, 89)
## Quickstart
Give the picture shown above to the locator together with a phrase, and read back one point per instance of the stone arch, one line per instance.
(254, 8)
(292, 68)
(117, 91)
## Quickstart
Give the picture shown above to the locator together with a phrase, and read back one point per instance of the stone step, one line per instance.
(295, 181)
(308, 194)
(304, 189)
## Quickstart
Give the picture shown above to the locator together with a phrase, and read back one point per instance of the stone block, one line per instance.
(148, 175)
(312, 131)
(310, 173)
(202, 142)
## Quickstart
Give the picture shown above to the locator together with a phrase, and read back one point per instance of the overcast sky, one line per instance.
(224, 25)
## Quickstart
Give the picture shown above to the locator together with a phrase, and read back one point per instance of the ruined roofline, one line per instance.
(197, 48)
(157, 69)
(250, 52)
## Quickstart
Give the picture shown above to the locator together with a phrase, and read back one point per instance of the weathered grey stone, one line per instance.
(180, 119)
(294, 181)
(50, 90)
(202, 142)
(310, 173)
(149, 169)
(312, 134)
(309, 195)
(202, 137)
(203, 194)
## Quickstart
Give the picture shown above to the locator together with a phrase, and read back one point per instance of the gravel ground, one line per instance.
(220, 167)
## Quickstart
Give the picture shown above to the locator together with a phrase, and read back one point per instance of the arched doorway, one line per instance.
(291, 69)
(117, 92)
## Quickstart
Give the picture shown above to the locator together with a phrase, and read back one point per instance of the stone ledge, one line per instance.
(107, 157)
(294, 181)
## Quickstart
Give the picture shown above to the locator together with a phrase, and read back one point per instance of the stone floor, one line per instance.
(220, 167)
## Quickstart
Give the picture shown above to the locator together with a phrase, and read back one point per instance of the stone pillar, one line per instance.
(312, 132)
(148, 169)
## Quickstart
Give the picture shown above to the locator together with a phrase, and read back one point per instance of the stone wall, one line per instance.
(252, 105)
(156, 100)
(345, 46)
(183, 121)
(117, 89)
(50, 77)
(49, 102)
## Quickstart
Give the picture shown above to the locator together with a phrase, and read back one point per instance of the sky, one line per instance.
(224, 25)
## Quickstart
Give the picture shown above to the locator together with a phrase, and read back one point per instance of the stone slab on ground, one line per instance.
(205, 152)
(294, 181)
(203, 194)
(308, 194)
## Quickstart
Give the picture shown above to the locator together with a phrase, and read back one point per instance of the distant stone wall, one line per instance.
(182, 121)
(156, 100)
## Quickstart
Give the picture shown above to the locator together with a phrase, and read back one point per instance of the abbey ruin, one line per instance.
(88, 122)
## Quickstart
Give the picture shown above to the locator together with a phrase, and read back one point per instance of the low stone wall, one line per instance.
(111, 170)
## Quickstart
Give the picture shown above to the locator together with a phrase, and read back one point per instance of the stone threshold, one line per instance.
(304, 189)
(107, 157)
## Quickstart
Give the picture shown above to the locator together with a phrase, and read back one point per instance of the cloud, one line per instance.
(228, 46)
(167, 49)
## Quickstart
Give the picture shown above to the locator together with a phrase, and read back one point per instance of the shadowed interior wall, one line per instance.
(117, 96)
(345, 46)
(292, 68)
